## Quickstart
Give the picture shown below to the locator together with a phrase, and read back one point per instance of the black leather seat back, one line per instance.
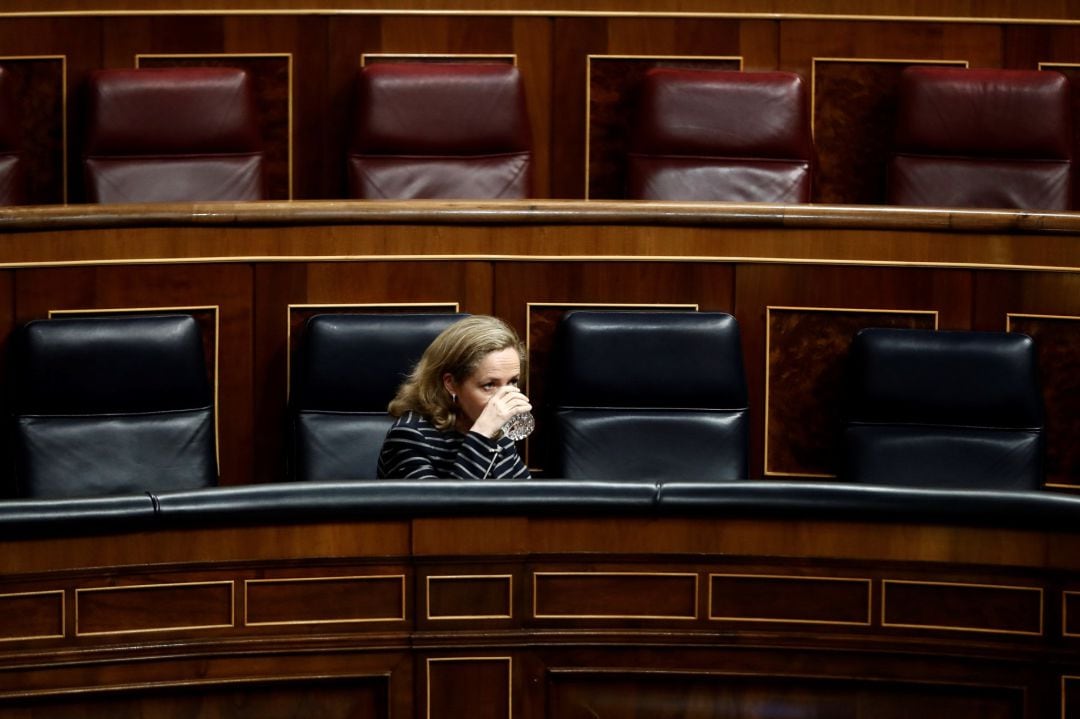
(944, 410)
(112, 405)
(348, 368)
(648, 395)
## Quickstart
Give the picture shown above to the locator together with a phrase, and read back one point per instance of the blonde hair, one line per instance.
(457, 351)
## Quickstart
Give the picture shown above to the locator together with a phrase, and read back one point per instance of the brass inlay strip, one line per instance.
(537, 575)
(588, 89)
(884, 597)
(301, 622)
(171, 585)
(63, 614)
(509, 678)
(407, 56)
(853, 580)
(213, 309)
(213, 55)
(509, 614)
(1023, 315)
(768, 344)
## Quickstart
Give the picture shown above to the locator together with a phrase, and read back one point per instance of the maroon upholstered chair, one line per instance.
(440, 130)
(12, 173)
(172, 135)
(982, 138)
(721, 135)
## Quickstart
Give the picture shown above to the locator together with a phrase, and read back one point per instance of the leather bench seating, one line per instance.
(12, 173)
(111, 406)
(942, 409)
(426, 130)
(648, 395)
(982, 138)
(172, 135)
(721, 135)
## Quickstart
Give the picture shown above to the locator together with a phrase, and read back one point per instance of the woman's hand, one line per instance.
(504, 404)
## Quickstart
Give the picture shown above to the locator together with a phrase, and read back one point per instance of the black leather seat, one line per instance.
(112, 405)
(648, 395)
(959, 410)
(348, 368)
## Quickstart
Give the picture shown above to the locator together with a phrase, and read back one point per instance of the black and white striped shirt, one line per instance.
(414, 449)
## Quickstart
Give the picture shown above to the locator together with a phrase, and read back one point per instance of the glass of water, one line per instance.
(519, 426)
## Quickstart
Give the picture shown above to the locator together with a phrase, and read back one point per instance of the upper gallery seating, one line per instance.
(172, 135)
(12, 174)
(721, 135)
(112, 405)
(348, 369)
(648, 395)
(440, 130)
(982, 138)
(949, 410)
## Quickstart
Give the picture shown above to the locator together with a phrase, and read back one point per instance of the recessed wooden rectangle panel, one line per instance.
(816, 600)
(33, 615)
(470, 596)
(1070, 697)
(962, 607)
(473, 687)
(319, 600)
(615, 595)
(1070, 609)
(153, 608)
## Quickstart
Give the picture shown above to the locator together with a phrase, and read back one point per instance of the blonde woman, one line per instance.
(451, 409)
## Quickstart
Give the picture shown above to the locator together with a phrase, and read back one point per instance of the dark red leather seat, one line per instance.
(440, 130)
(721, 135)
(12, 177)
(172, 135)
(982, 138)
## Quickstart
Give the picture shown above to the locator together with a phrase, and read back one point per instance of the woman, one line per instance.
(451, 409)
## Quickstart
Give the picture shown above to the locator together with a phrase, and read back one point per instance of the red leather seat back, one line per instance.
(982, 138)
(172, 135)
(721, 135)
(440, 130)
(12, 177)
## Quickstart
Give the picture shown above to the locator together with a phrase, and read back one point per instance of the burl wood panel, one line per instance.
(806, 377)
(1071, 614)
(1070, 697)
(31, 615)
(153, 608)
(854, 108)
(817, 600)
(271, 78)
(614, 86)
(364, 697)
(723, 693)
(469, 596)
(310, 600)
(615, 595)
(39, 85)
(962, 607)
(453, 684)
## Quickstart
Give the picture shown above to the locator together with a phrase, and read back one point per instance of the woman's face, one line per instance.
(495, 370)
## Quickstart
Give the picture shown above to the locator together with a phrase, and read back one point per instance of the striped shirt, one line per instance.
(414, 449)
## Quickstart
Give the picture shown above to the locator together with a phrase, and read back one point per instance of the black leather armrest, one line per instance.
(96, 515)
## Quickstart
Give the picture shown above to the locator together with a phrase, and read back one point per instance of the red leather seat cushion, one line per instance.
(982, 138)
(709, 135)
(175, 134)
(440, 130)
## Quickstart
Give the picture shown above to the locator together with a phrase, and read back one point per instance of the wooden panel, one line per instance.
(477, 596)
(613, 88)
(448, 677)
(805, 382)
(40, 85)
(1070, 621)
(615, 595)
(31, 615)
(153, 608)
(319, 600)
(962, 607)
(1070, 697)
(812, 600)
(228, 287)
(585, 695)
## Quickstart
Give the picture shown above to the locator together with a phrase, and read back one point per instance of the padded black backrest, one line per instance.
(348, 368)
(112, 405)
(648, 395)
(944, 410)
